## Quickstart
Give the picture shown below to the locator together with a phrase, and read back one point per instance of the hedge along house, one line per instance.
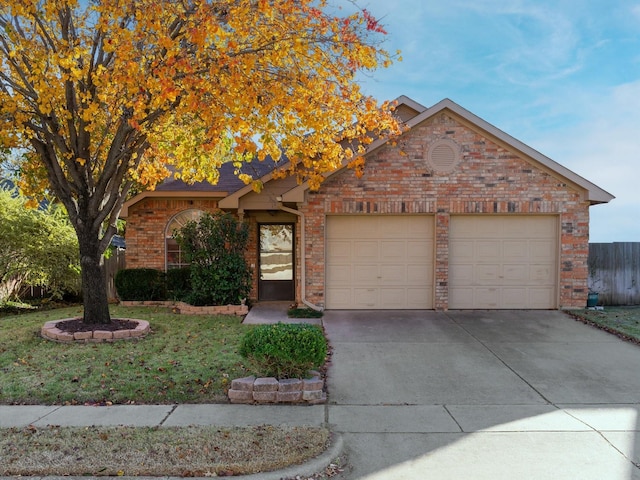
(456, 214)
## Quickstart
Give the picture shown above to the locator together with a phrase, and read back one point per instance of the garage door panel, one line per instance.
(365, 274)
(463, 275)
(418, 299)
(393, 250)
(516, 274)
(516, 249)
(393, 275)
(541, 274)
(365, 251)
(388, 257)
(461, 296)
(512, 297)
(542, 250)
(542, 296)
(341, 248)
(340, 295)
(513, 264)
(419, 251)
(487, 251)
(487, 274)
(420, 274)
(394, 298)
(339, 275)
(461, 249)
(486, 297)
(364, 297)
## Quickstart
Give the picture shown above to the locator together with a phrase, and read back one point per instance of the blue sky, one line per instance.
(561, 76)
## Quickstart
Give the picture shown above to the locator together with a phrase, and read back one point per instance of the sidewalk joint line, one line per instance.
(58, 407)
(453, 418)
(173, 409)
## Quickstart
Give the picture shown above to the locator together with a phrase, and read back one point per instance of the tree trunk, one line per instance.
(94, 283)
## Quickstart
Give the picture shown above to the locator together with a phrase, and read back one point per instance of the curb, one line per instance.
(313, 466)
(307, 469)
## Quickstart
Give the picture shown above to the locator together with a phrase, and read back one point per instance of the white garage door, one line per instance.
(379, 262)
(503, 262)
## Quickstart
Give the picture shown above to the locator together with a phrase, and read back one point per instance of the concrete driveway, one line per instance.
(482, 394)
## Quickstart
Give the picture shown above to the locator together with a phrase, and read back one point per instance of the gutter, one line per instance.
(303, 269)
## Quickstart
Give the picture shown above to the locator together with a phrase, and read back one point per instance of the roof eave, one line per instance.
(124, 213)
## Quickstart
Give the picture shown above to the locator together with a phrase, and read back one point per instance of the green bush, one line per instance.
(215, 247)
(142, 284)
(297, 312)
(284, 350)
(179, 283)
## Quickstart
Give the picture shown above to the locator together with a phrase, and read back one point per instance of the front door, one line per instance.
(276, 268)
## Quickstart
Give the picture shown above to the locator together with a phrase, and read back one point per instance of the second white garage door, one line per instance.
(379, 262)
(503, 262)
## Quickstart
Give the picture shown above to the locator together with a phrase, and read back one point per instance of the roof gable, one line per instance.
(594, 194)
(230, 189)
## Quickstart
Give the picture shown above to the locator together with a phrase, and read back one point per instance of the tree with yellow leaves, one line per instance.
(103, 95)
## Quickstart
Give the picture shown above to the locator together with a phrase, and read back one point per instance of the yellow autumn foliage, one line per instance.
(132, 88)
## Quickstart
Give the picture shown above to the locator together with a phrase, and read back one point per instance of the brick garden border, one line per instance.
(270, 390)
(185, 308)
(50, 331)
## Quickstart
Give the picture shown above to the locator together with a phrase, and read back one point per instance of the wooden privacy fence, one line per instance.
(614, 272)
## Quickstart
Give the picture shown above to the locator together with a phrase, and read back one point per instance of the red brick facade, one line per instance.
(489, 179)
(147, 222)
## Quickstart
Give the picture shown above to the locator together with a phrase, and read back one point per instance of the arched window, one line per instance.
(173, 253)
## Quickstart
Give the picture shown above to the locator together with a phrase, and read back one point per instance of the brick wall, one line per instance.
(488, 179)
(146, 226)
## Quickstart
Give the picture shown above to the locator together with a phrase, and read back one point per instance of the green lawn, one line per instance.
(185, 359)
(623, 321)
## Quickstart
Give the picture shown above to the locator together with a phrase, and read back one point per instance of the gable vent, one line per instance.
(443, 155)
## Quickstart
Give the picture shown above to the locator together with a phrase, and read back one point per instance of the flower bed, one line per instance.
(51, 331)
(185, 308)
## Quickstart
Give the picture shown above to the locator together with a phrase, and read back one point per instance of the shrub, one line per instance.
(178, 283)
(285, 350)
(215, 246)
(142, 284)
(297, 312)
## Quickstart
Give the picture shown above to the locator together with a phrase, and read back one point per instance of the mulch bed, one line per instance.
(77, 325)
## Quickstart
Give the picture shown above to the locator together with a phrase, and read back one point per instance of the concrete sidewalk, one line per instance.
(161, 415)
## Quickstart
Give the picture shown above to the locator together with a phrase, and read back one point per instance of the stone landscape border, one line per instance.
(50, 331)
(186, 309)
(270, 390)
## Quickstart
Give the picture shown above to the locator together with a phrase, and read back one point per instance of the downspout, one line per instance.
(303, 269)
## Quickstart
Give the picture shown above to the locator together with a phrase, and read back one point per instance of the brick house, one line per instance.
(456, 215)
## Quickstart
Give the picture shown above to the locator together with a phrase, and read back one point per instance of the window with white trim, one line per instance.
(174, 256)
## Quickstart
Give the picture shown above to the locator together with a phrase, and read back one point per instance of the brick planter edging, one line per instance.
(269, 390)
(185, 308)
(50, 331)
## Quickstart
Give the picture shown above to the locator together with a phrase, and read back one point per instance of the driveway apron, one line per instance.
(482, 394)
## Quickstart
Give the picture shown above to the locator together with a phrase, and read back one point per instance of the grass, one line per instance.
(185, 359)
(187, 452)
(621, 321)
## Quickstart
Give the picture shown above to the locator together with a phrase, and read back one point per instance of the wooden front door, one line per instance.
(276, 262)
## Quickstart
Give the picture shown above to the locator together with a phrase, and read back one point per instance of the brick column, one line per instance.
(441, 300)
